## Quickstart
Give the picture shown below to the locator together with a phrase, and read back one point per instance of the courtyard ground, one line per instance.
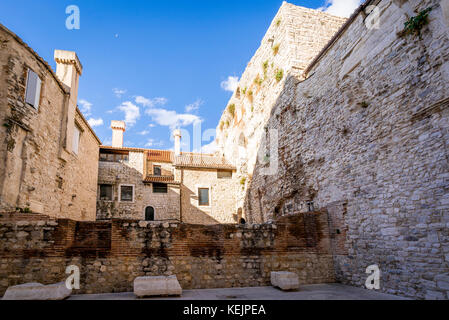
(308, 292)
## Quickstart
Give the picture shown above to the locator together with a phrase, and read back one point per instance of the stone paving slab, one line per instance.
(308, 292)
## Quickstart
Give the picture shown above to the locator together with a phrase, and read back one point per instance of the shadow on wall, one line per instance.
(264, 201)
(192, 214)
(116, 174)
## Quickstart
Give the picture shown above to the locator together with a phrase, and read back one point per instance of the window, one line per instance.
(33, 90)
(157, 171)
(126, 193)
(224, 174)
(160, 188)
(203, 197)
(106, 192)
(110, 157)
(76, 139)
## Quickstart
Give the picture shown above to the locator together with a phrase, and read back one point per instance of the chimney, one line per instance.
(118, 128)
(177, 135)
(68, 71)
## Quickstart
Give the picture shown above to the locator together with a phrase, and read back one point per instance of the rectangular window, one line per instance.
(76, 139)
(160, 188)
(106, 192)
(33, 89)
(224, 174)
(203, 197)
(157, 171)
(127, 193)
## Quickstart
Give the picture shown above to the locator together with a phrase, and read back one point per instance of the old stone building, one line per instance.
(362, 133)
(143, 184)
(49, 153)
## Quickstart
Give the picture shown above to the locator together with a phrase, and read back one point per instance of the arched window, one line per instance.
(149, 214)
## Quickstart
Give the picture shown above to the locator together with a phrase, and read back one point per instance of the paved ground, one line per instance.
(309, 292)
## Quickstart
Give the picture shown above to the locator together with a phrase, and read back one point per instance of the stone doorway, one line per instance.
(149, 214)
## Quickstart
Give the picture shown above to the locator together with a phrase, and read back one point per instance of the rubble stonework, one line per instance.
(366, 135)
(38, 170)
(110, 255)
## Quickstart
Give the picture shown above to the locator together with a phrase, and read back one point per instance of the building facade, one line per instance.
(162, 185)
(48, 152)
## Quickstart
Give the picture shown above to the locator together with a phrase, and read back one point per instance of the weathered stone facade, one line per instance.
(182, 175)
(38, 170)
(294, 38)
(364, 133)
(166, 206)
(111, 255)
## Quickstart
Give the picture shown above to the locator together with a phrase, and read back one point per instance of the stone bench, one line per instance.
(285, 281)
(37, 291)
(157, 286)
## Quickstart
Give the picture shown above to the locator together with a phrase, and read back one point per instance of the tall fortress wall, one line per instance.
(295, 36)
(362, 133)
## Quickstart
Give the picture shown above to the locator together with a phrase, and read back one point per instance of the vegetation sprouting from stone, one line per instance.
(415, 24)
(258, 81)
(278, 22)
(231, 109)
(276, 49)
(279, 75)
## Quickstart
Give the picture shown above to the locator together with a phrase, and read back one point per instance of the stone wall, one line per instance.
(167, 206)
(294, 38)
(222, 194)
(366, 136)
(111, 255)
(36, 171)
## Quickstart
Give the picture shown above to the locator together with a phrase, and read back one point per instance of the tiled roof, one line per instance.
(197, 160)
(160, 156)
(161, 179)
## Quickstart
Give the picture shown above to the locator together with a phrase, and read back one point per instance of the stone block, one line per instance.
(285, 280)
(37, 291)
(157, 286)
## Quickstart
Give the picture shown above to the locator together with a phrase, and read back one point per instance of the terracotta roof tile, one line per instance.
(160, 179)
(197, 160)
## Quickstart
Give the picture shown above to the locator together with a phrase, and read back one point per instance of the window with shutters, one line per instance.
(33, 89)
(127, 193)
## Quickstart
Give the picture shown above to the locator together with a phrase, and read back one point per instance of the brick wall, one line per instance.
(111, 254)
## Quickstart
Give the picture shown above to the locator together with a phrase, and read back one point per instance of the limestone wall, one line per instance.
(34, 174)
(294, 38)
(167, 206)
(366, 135)
(111, 255)
(222, 194)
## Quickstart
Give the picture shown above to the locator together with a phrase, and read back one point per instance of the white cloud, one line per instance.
(341, 8)
(86, 107)
(144, 132)
(209, 148)
(194, 106)
(132, 112)
(172, 119)
(150, 103)
(95, 122)
(230, 84)
(153, 143)
(118, 92)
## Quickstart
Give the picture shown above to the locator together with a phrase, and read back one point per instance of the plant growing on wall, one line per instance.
(243, 181)
(265, 68)
(244, 90)
(279, 74)
(221, 125)
(250, 96)
(258, 81)
(231, 110)
(276, 49)
(278, 22)
(415, 24)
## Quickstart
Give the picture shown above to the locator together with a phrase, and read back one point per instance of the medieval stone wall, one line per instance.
(294, 38)
(111, 255)
(366, 135)
(166, 206)
(222, 197)
(33, 174)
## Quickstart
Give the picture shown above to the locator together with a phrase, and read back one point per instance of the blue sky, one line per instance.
(155, 64)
